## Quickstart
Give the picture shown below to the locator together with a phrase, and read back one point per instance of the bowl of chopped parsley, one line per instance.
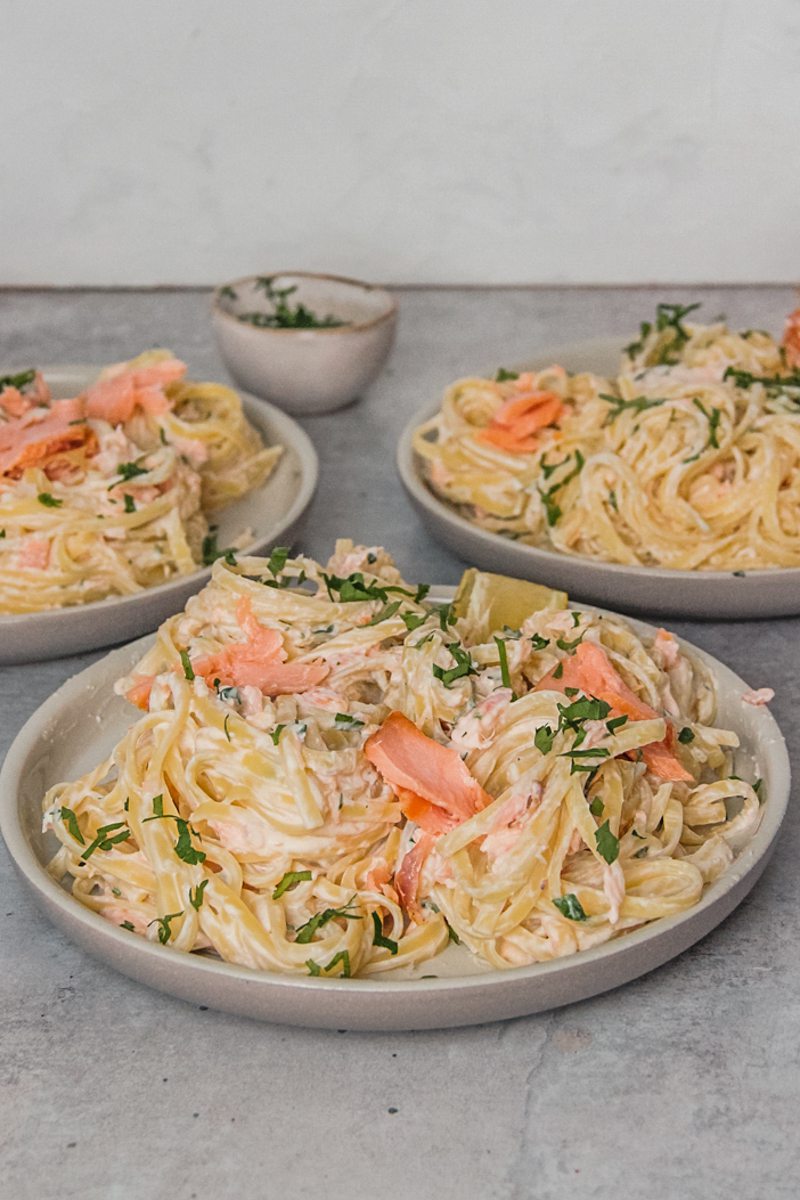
(308, 343)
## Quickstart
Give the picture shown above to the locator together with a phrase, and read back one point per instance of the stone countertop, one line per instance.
(683, 1083)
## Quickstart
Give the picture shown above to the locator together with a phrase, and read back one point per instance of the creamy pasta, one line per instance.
(110, 492)
(689, 459)
(333, 776)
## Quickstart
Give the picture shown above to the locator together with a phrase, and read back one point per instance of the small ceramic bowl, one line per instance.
(304, 370)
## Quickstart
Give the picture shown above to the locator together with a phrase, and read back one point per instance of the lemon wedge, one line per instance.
(488, 602)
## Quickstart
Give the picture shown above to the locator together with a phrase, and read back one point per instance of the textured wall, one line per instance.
(493, 141)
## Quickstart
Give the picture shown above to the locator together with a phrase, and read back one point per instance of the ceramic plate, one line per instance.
(271, 512)
(650, 590)
(80, 724)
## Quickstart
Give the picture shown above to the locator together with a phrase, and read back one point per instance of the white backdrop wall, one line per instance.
(454, 141)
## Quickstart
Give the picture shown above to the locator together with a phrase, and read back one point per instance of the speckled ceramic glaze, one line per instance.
(78, 725)
(271, 512)
(648, 590)
(306, 370)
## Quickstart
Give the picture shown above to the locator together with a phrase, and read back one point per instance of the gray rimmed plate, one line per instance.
(649, 590)
(80, 724)
(271, 512)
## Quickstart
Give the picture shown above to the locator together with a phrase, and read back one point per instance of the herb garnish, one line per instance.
(283, 315)
(345, 721)
(668, 316)
(184, 848)
(211, 552)
(163, 923)
(387, 611)
(596, 807)
(570, 906)
(342, 957)
(539, 643)
(503, 375)
(290, 880)
(130, 506)
(743, 379)
(638, 404)
(187, 665)
(18, 381)
(276, 734)
(102, 840)
(128, 470)
(543, 739)
(127, 925)
(71, 821)
(196, 895)
(685, 736)
(464, 666)
(505, 674)
(413, 621)
(378, 938)
(306, 932)
(48, 500)
(551, 508)
(354, 588)
(607, 844)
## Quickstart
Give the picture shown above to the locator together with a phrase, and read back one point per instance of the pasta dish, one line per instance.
(109, 492)
(329, 774)
(688, 459)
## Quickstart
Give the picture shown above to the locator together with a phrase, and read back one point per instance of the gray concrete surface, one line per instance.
(683, 1084)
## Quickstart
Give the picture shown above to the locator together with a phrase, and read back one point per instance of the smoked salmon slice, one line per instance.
(591, 671)
(115, 397)
(406, 881)
(27, 443)
(409, 761)
(259, 661)
(514, 426)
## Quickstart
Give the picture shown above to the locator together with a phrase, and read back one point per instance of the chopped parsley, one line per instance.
(616, 723)
(187, 665)
(569, 647)
(290, 880)
(285, 315)
(313, 968)
(378, 938)
(539, 643)
(570, 907)
(277, 560)
(578, 758)
(164, 923)
(413, 621)
(543, 739)
(504, 375)
(686, 736)
(130, 506)
(505, 674)
(607, 844)
(342, 957)
(210, 551)
(452, 936)
(71, 821)
(713, 417)
(196, 895)
(276, 734)
(345, 721)
(551, 508)
(127, 925)
(103, 841)
(743, 379)
(129, 470)
(596, 807)
(354, 588)
(19, 381)
(184, 848)
(464, 666)
(668, 317)
(612, 500)
(384, 613)
(306, 932)
(48, 500)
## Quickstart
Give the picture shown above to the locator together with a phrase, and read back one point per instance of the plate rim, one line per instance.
(750, 861)
(407, 463)
(308, 461)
